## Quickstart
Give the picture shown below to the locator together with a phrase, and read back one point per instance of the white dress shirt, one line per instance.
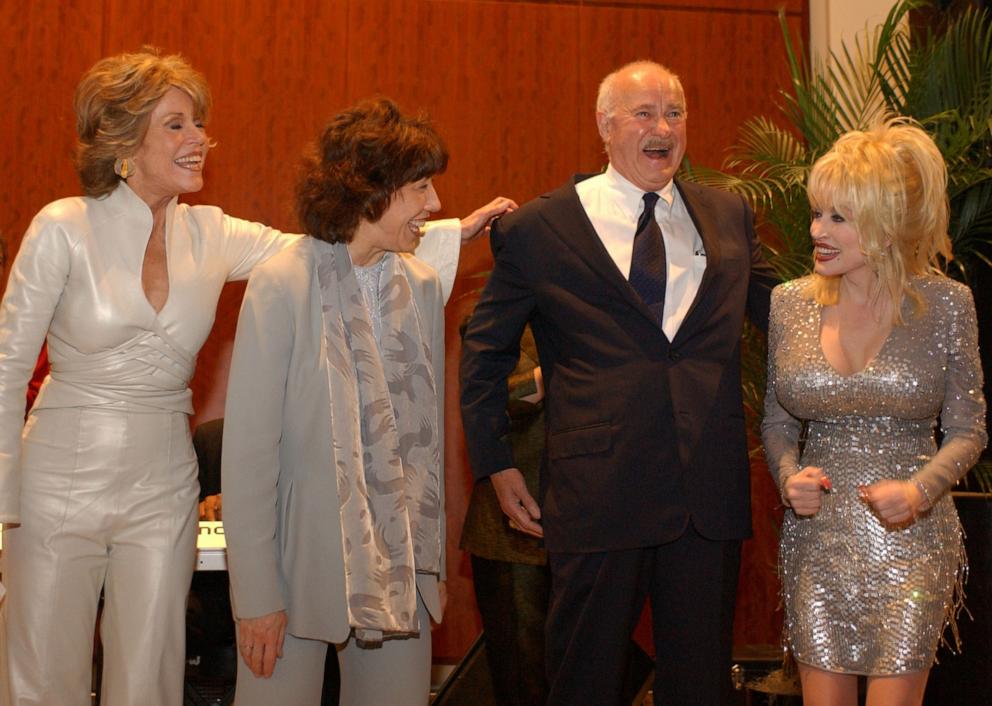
(613, 205)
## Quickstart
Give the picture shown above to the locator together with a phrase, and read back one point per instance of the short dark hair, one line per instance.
(364, 156)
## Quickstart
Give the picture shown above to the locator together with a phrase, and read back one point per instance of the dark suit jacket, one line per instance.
(486, 531)
(642, 433)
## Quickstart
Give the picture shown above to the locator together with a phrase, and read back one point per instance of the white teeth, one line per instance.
(190, 160)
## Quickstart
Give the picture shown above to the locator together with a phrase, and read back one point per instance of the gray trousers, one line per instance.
(396, 673)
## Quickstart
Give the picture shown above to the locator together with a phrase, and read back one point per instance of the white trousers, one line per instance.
(108, 501)
(396, 673)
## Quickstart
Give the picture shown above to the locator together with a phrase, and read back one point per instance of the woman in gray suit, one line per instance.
(332, 468)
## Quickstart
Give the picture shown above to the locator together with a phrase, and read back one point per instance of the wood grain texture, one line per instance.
(511, 86)
(47, 46)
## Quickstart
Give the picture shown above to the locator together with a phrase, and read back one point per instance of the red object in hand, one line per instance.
(825, 484)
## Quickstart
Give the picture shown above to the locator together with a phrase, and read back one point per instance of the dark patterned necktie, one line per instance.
(647, 262)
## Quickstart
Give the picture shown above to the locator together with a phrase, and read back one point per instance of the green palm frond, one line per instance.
(857, 85)
(952, 70)
(765, 147)
(756, 190)
(942, 79)
(894, 59)
(792, 252)
(971, 228)
(810, 107)
(769, 161)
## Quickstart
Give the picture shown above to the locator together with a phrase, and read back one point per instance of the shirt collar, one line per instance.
(631, 195)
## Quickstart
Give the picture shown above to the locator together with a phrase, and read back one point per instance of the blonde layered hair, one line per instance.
(890, 182)
(113, 102)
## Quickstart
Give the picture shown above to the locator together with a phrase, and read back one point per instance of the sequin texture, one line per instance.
(860, 596)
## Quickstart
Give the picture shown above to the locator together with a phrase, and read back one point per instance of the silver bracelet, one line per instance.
(921, 486)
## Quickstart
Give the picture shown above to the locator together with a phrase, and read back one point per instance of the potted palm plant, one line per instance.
(942, 77)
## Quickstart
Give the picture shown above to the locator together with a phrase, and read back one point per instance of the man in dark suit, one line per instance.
(636, 286)
(509, 568)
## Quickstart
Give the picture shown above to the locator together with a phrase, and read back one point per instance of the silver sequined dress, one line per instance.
(861, 597)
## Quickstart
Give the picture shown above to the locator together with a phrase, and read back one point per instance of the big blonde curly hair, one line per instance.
(890, 182)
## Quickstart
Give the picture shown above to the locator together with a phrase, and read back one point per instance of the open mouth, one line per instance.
(193, 162)
(416, 226)
(823, 253)
(657, 151)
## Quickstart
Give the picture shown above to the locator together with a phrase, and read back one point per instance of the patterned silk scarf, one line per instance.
(384, 426)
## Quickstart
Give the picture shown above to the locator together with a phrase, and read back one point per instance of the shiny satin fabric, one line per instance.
(77, 281)
(113, 498)
(106, 490)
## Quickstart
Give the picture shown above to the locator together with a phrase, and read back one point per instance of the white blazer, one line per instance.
(284, 545)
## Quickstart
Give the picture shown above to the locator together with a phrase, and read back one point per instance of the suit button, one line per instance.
(674, 355)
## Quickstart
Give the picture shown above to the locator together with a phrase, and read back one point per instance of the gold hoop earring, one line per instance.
(123, 168)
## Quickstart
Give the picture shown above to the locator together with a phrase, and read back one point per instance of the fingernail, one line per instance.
(825, 484)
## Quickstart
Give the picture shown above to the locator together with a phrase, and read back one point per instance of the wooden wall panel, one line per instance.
(743, 6)
(276, 71)
(46, 47)
(497, 93)
(510, 84)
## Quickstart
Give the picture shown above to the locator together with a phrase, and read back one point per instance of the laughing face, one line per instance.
(836, 245)
(401, 225)
(644, 132)
(170, 159)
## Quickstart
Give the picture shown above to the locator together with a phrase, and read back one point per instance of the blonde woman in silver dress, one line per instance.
(873, 353)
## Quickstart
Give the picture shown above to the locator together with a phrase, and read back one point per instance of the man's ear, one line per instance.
(603, 124)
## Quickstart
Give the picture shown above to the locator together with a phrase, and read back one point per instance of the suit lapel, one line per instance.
(701, 212)
(566, 216)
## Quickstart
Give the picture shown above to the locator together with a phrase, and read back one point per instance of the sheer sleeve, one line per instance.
(962, 417)
(779, 430)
